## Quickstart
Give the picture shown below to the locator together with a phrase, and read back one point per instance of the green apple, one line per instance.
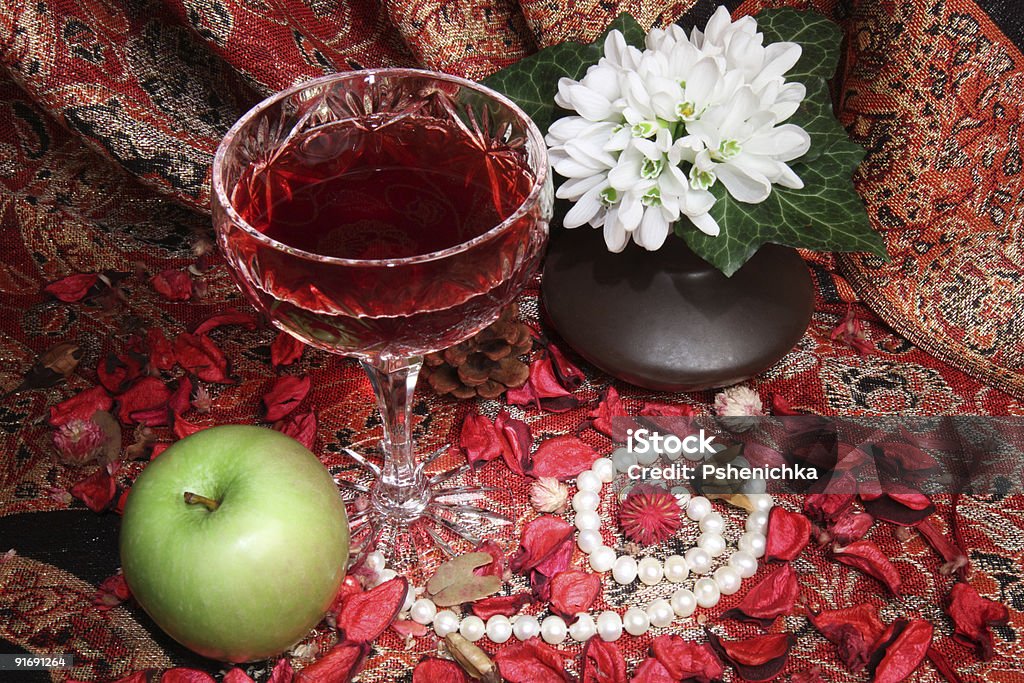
(235, 541)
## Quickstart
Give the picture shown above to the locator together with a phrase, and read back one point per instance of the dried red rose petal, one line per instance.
(117, 372)
(868, 558)
(409, 629)
(181, 398)
(246, 320)
(787, 535)
(97, 490)
(652, 671)
(183, 428)
(199, 355)
(73, 287)
(911, 460)
(574, 591)
(781, 406)
(111, 592)
(774, 596)
(341, 663)
(173, 285)
(828, 506)
(898, 504)
(658, 409)
(810, 676)
(364, 616)
(479, 440)
(144, 676)
(531, 661)
(686, 660)
(562, 457)
(161, 352)
(300, 426)
(755, 659)
(602, 663)
(285, 395)
(434, 670)
(603, 417)
(851, 527)
(145, 402)
(505, 605)
(285, 350)
(944, 666)
(236, 675)
(496, 567)
(568, 374)
(182, 675)
(854, 630)
(900, 650)
(81, 406)
(649, 515)
(543, 389)
(973, 617)
(947, 546)
(282, 672)
(516, 441)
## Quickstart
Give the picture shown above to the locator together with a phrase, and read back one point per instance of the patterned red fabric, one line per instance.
(109, 116)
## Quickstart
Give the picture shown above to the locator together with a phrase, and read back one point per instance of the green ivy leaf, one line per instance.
(532, 82)
(818, 37)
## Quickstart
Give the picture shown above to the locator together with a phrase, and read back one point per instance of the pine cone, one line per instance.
(484, 365)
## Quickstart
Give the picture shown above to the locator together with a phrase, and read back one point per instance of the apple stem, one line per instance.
(194, 498)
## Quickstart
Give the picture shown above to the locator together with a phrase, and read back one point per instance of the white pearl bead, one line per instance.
(384, 575)
(445, 622)
(472, 628)
(650, 571)
(604, 468)
(423, 611)
(698, 508)
(526, 627)
(699, 560)
(499, 629)
(553, 630)
(647, 457)
(410, 598)
(714, 544)
(583, 629)
(728, 580)
(589, 540)
(585, 500)
(602, 559)
(712, 523)
(754, 486)
(683, 602)
(706, 592)
(757, 522)
(636, 621)
(752, 543)
(588, 519)
(660, 613)
(624, 571)
(623, 459)
(676, 569)
(743, 562)
(375, 561)
(609, 626)
(762, 501)
(588, 481)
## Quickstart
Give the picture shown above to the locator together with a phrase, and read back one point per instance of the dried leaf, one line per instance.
(787, 535)
(774, 596)
(687, 660)
(868, 558)
(455, 583)
(364, 616)
(52, 367)
(574, 591)
(562, 457)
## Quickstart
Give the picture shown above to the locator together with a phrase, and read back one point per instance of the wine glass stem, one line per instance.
(401, 493)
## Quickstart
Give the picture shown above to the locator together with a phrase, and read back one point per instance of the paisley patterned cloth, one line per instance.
(110, 111)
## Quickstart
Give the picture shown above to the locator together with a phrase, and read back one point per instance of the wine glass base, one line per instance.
(449, 516)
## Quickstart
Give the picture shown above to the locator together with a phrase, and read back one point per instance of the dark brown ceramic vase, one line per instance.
(669, 321)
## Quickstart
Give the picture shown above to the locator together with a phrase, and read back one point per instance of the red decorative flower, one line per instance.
(649, 515)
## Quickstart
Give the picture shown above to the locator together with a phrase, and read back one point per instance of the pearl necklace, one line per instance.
(609, 625)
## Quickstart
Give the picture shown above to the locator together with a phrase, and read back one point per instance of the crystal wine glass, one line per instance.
(381, 215)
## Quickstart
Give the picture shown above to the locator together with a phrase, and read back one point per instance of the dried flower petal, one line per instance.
(574, 591)
(365, 616)
(183, 675)
(233, 317)
(199, 355)
(81, 406)
(543, 390)
(900, 650)
(173, 285)
(285, 350)
(496, 567)
(686, 660)
(649, 515)
(161, 352)
(851, 527)
(300, 426)
(973, 618)
(944, 666)
(73, 287)
(285, 395)
(547, 494)
(531, 661)
(652, 671)
(341, 663)
(543, 546)
(111, 592)
(602, 663)
(738, 401)
(809, 676)
(515, 442)
(568, 374)
(898, 504)
(562, 457)
(409, 629)
(97, 490)
(479, 440)
(782, 407)
(603, 417)
(773, 597)
(236, 675)
(868, 558)
(145, 402)
(755, 659)
(851, 332)
(435, 670)
(787, 535)
(505, 605)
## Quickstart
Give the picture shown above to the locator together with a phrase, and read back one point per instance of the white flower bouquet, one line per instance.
(724, 136)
